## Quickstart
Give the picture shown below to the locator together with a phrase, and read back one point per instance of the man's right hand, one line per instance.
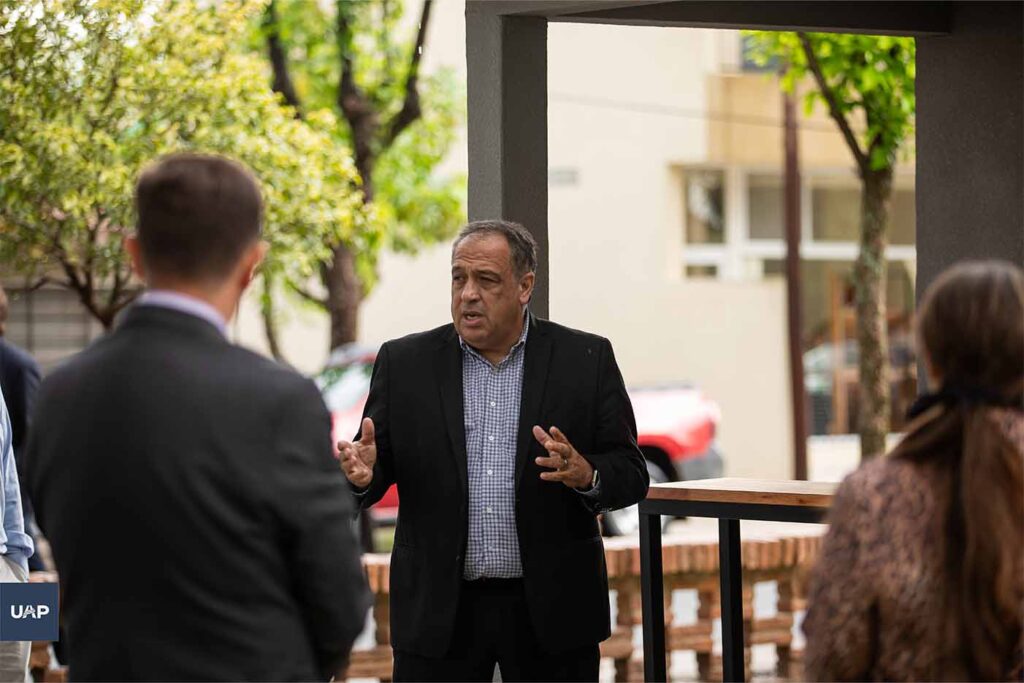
(358, 457)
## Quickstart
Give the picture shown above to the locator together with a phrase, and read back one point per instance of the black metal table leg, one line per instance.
(731, 568)
(652, 596)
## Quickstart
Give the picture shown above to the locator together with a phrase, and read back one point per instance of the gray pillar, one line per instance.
(970, 139)
(508, 131)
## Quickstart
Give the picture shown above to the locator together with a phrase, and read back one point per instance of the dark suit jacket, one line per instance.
(19, 380)
(214, 466)
(570, 380)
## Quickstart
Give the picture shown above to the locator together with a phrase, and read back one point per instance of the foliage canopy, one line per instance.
(867, 79)
(93, 90)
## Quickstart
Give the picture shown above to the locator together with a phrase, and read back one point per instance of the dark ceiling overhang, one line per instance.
(883, 18)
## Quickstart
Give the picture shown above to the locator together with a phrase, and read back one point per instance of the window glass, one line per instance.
(701, 270)
(831, 372)
(748, 61)
(705, 202)
(764, 197)
(903, 217)
(835, 210)
(773, 267)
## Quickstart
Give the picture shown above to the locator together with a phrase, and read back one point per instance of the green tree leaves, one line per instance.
(359, 61)
(94, 90)
(869, 80)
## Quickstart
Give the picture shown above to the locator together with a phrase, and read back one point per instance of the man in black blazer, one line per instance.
(506, 435)
(19, 380)
(212, 464)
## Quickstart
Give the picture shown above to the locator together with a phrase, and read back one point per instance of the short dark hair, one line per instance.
(196, 215)
(520, 242)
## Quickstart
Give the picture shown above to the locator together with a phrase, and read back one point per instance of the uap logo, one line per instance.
(29, 611)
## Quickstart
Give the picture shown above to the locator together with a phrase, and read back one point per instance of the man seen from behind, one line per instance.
(214, 465)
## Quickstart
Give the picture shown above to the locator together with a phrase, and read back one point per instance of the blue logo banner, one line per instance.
(28, 611)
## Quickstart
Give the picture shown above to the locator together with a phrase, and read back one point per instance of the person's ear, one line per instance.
(251, 260)
(134, 249)
(526, 288)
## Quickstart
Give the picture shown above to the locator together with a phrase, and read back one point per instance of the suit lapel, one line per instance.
(535, 375)
(448, 366)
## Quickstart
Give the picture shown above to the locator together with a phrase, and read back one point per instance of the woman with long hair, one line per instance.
(922, 572)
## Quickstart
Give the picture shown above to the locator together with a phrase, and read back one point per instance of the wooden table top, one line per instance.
(810, 494)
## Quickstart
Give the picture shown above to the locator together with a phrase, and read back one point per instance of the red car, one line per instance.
(676, 427)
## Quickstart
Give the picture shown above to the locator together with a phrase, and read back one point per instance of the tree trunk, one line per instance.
(106, 319)
(872, 333)
(344, 294)
(342, 282)
(270, 320)
(282, 81)
(794, 296)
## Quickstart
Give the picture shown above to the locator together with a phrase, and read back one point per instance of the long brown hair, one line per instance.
(971, 328)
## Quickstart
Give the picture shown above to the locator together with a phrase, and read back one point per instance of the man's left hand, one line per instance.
(570, 468)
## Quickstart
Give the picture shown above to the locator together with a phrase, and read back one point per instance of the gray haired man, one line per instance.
(507, 435)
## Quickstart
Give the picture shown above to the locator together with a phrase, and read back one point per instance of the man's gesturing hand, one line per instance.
(571, 468)
(357, 457)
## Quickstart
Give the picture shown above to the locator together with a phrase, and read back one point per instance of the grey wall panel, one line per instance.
(970, 139)
(508, 137)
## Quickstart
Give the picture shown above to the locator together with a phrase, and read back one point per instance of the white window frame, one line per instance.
(733, 257)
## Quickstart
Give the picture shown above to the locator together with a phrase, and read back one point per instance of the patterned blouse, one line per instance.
(874, 609)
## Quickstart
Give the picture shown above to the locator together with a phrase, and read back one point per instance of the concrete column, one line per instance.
(970, 139)
(508, 132)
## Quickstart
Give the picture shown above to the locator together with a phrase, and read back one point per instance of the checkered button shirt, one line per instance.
(491, 395)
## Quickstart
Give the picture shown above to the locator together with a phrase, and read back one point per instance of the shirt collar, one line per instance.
(183, 303)
(522, 339)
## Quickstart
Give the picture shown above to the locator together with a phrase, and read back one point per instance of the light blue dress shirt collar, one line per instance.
(183, 303)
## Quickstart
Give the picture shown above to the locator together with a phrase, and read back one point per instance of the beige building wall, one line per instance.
(627, 108)
(746, 119)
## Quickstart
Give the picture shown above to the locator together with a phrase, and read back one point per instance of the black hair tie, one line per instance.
(958, 394)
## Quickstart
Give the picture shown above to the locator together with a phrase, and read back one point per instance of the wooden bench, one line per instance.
(691, 563)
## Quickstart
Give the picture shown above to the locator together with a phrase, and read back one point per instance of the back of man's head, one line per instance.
(197, 214)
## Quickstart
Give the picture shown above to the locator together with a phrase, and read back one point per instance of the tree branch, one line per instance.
(85, 293)
(308, 296)
(270, 319)
(410, 110)
(355, 106)
(833, 106)
(74, 282)
(40, 283)
(118, 306)
(120, 280)
(282, 82)
(115, 81)
(93, 227)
